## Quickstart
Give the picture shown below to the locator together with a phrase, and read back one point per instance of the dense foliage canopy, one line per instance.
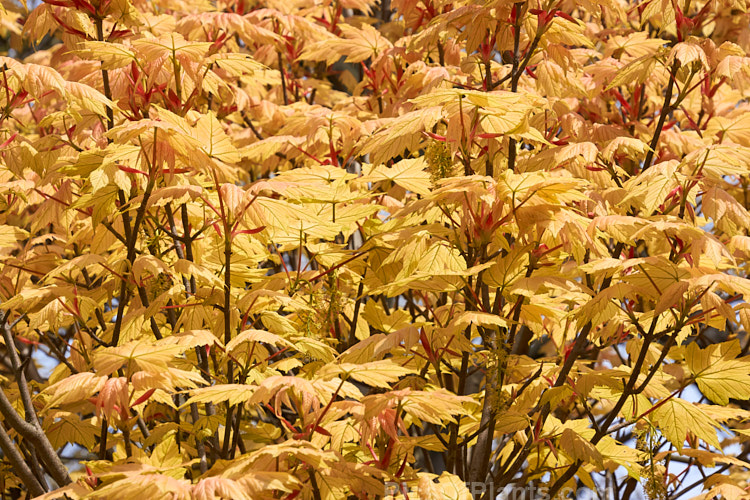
(336, 249)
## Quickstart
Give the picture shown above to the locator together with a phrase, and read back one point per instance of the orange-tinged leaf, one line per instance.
(579, 448)
(248, 336)
(402, 133)
(719, 377)
(687, 53)
(676, 417)
(216, 143)
(74, 388)
(381, 373)
(112, 55)
(635, 72)
(408, 173)
(68, 428)
(232, 393)
(172, 45)
(11, 235)
(136, 355)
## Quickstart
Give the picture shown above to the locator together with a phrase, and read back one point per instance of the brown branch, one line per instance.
(249, 123)
(283, 79)
(20, 467)
(33, 462)
(105, 76)
(103, 433)
(200, 445)
(575, 352)
(30, 428)
(628, 390)
(190, 289)
(518, 68)
(355, 315)
(132, 240)
(53, 464)
(665, 110)
(17, 366)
